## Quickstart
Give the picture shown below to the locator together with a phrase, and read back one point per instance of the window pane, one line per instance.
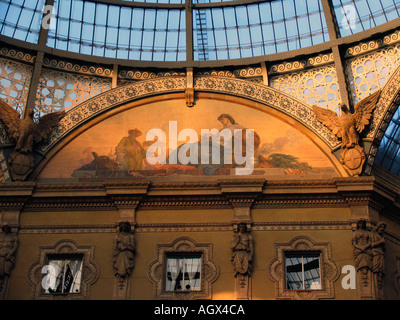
(302, 272)
(294, 278)
(312, 278)
(183, 274)
(64, 275)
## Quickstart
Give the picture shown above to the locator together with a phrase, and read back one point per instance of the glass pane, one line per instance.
(388, 155)
(312, 280)
(357, 15)
(294, 276)
(257, 29)
(64, 275)
(183, 274)
(302, 272)
(119, 32)
(20, 19)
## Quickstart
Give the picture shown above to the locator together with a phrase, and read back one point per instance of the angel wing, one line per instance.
(328, 118)
(363, 110)
(45, 124)
(11, 119)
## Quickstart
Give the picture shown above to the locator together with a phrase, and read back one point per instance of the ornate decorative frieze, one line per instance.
(298, 65)
(135, 74)
(337, 192)
(372, 45)
(301, 225)
(69, 66)
(67, 229)
(188, 227)
(17, 55)
(243, 73)
(184, 227)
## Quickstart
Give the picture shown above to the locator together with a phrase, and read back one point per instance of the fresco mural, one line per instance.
(165, 139)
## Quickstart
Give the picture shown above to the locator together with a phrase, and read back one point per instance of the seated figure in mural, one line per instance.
(130, 153)
(229, 123)
(8, 247)
(124, 251)
(242, 248)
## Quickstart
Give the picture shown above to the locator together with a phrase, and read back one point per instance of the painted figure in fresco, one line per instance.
(130, 152)
(362, 242)
(8, 247)
(242, 248)
(378, 252)
(124, 251)
(228, 122)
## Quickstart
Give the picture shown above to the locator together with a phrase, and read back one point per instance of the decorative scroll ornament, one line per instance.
(348, 127)
(26, 133)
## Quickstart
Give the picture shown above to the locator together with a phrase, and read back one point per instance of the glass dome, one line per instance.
(198, 30)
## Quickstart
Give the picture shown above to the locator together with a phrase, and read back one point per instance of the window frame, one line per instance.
(65, 247)
(65, 257)
(183, 246)
(329, 269)
(180, 255)
(303, 254)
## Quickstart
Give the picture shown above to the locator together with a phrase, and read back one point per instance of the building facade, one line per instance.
(145, 157)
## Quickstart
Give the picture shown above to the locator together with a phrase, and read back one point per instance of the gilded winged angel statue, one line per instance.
(25, 131)
(347, 127)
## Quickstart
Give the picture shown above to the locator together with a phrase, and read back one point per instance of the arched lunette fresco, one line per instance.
(104, 102)
(265, 95)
